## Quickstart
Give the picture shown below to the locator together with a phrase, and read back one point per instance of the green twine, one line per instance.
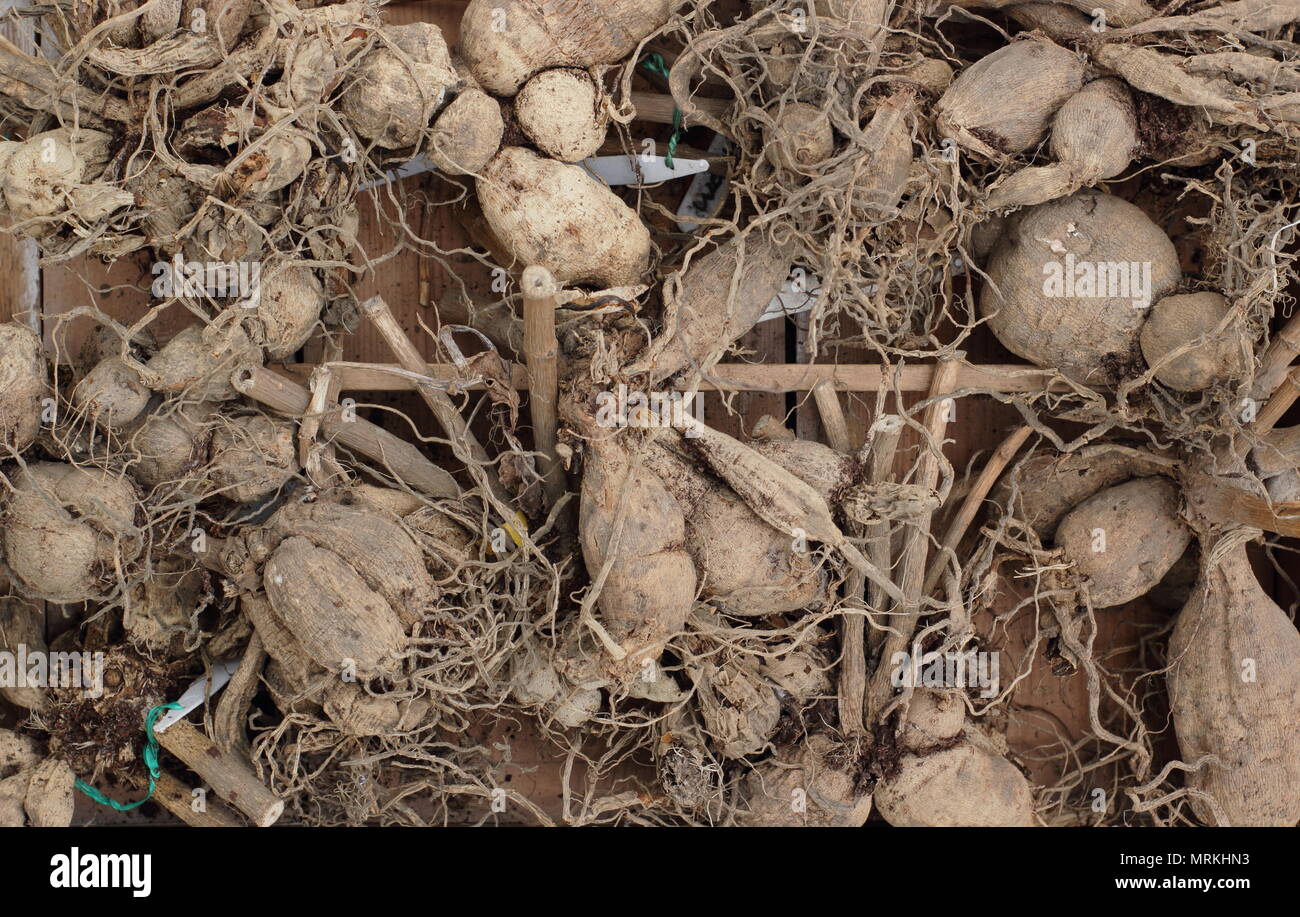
(150, 761)
(655, 64)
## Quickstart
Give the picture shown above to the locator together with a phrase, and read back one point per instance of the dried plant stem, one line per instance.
(229, 777)
(853, 661)
(318, 458)
(834, 423)
(1284, 348)
(853, 658)
(729, 377)
(229, 726)
(400, 457)
(463, 442)
(541, 350)
(974, 498)
(178, 799)
(883, 446)
(917, 542)
(1285, 394)
(1217, 499)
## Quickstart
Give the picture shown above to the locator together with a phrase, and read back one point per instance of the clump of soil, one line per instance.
(105, 734)
(1163, 128)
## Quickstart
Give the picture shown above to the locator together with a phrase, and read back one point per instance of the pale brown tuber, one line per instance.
(562, 113)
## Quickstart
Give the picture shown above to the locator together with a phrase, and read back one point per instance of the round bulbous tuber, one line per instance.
(390, 102)
(1003, 103)
(252, 457)
(560, 111)
(1071, 282)
(198, 362)
(112, 394)
(1183, 318)
(69, 529)
(800, 139)
(23, 383)
(286, 308)
(1124, 539)
(504, 42)
(813, 784)
(467, 134)
(555, 215)
(1234, 691)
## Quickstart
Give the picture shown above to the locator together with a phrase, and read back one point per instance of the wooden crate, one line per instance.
(777, 382)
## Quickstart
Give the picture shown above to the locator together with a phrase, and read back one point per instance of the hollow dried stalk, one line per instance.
(541, 351)
(916, 544)
(400, 457)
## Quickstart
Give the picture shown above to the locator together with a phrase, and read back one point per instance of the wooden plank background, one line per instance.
(20, 277)
(413, 287)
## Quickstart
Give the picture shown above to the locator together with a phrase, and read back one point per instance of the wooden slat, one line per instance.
(764, 344)
(415, 286)
(20, 277)
(770, 379)
(20, 282)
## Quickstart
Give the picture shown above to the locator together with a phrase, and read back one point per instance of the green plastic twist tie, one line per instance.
(655, 64)
(150, 760)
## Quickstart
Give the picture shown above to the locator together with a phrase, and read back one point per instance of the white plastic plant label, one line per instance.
(799, 293)
(612, 170)
(196, 692)
(644, 170)
(704, 195)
